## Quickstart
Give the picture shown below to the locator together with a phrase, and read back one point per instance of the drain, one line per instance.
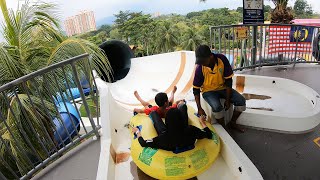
(281, 69)
(155, 90)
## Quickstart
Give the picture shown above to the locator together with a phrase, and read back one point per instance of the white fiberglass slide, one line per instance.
(150, 75)
(278, 104)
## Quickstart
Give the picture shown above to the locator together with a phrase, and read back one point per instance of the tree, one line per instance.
(135, 26)
(148, 34)
(194, 14)
(281, 13)
(167, 32)
(221, 16)
(102, 36)
(205, 33)
(114, 34)
(302, 9)
(34, 41)
(191, 40)
(267, 11)
(267, 8)
(181, 28)
(122, 17)
(105, 27)
(166, 36)
(240, 10)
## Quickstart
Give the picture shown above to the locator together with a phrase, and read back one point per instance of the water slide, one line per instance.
(68, 123)
(266, 109)
(265, 95)
(150, 75)
(71, 120)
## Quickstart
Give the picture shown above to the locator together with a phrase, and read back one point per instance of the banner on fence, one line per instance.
(242, 33)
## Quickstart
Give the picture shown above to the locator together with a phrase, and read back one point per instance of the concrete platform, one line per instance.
(80, 163)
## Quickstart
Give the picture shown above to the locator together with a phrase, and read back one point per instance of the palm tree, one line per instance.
(281, 13)
(33, 40)
(166, 37)
(191, 39)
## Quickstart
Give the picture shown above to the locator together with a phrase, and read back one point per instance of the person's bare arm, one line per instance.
(138, 110)
(171, 99)
(200, 110)
(197, 84)
(202, 120)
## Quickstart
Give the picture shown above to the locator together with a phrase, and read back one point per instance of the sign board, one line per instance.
(242, 33)
(253, 12)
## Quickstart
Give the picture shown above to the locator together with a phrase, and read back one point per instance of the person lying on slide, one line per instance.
(175, 133)
(162, 101)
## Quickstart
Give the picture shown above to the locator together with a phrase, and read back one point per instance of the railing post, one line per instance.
(210, 37)
(219, 40)
(296, 51)
(254, 44)
(83, 97)
(2, 176)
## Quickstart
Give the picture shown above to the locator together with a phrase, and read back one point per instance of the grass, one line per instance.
(92, 108)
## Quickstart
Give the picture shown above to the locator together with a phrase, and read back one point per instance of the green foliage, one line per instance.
(191, 39)
(169, 37)
(114, 34)
(166, 33)
(139, 30)
(92, 109)
(99, 36)
(215, 17)
(33, 41)
(302, 9)
(170, 32)
(267, 11)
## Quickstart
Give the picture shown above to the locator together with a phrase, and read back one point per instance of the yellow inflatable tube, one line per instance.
(166, 165)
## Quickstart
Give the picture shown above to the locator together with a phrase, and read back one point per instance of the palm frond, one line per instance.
(73, 47)
(191, 40)
(10, 68)
(169, 40)
(29, 122)
(34, 41)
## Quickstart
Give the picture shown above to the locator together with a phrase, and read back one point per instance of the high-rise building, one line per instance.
(80, 23)
(156, 14)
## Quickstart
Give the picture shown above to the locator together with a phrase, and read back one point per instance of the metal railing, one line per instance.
(40, 118)
(249, 46)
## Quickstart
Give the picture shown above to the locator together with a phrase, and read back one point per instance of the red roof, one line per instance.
(310, 22)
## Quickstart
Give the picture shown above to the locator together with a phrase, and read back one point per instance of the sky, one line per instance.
(106, 8)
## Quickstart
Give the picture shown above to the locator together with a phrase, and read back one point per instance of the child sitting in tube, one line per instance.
(162, 101)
